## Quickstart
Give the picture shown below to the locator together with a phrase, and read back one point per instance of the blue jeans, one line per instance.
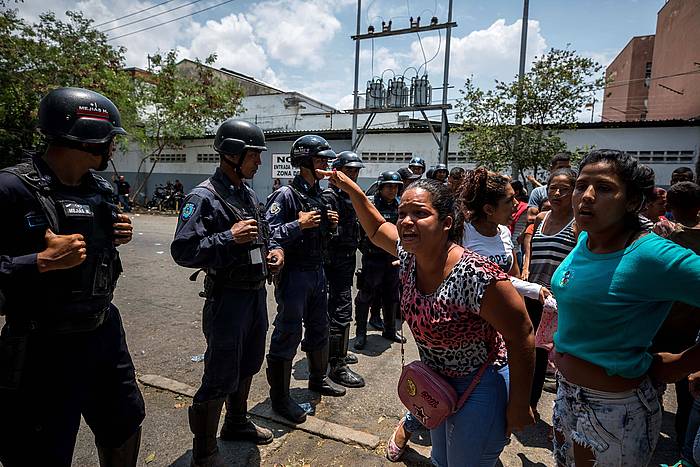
(476, 434)
(411, 423)
(691, 446)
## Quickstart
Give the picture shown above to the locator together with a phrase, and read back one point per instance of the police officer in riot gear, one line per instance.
(340, 271)
(440, 173)
(222, 231)
(379, 273)
(417, 165)
(62, 350)
(302, 222)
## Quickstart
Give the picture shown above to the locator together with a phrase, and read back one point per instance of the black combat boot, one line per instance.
(125, 455)
(237, 425)
(318, 366)
(390, 314)
(340, 372)
(375, 314)
(204, 423)
(361, 313)
(279, 373)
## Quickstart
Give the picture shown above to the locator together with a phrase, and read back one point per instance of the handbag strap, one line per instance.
(489, 360)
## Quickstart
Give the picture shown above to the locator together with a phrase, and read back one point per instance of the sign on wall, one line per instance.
(282, 166)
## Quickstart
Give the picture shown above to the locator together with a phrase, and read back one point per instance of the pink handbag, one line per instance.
(427, 395)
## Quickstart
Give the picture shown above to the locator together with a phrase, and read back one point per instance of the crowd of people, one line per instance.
(594, 274)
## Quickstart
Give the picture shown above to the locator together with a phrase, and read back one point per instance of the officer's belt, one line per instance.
(302, 266)
(79, 322)
(239, 285)
(341, 252)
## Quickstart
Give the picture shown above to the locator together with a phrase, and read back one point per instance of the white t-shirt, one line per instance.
(498, 249)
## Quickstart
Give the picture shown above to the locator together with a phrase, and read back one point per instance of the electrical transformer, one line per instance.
(397, 93)
(376, 93)
(421, 91)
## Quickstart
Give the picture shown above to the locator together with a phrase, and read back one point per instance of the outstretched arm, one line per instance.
(380, 232)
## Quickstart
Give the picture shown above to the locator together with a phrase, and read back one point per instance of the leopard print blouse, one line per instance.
(452, 338)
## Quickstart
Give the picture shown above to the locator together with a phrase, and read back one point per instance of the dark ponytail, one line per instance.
(479, 188)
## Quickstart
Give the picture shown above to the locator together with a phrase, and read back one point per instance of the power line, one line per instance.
(170, 21)
(152, 16)
(132, 14)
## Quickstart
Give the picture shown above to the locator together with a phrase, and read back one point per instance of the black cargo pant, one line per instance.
(66, 376)
(340, 271)
(235, 325)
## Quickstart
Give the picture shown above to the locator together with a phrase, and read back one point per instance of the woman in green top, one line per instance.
(613, 292)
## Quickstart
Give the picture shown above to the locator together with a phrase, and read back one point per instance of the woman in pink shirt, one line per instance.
(463, 313)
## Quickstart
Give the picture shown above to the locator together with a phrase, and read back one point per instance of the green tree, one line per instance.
(558, 85)
(35, 58)
(179, 103)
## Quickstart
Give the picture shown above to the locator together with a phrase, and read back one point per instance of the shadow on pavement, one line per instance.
(536, 436)
(376, 345)
(238, 453)
(528, 463)
(235, 454)
(413, 458)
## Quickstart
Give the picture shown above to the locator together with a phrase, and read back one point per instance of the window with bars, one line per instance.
(393, 157)
(170, 158)
(208, 158)
(664, 157)
(460, 157)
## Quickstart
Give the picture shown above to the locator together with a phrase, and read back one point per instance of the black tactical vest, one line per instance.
(313, 246)
(348, 235)
(390, 213)
(242, 273)
(87, 288)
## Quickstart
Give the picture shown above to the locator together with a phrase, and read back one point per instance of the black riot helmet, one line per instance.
(407, 176)
(306, 148)
(389, 178)
(348, 159)
(79, 115)
(80, 119)
(417, 162)
(234, 137)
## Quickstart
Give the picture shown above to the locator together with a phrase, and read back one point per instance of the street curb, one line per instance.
(313, 425)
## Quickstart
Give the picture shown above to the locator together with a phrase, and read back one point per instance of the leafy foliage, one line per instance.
(180, 102)
(51, 53)
(559, 84)
(159, 107)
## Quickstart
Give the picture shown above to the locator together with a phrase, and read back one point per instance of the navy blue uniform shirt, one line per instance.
(203, 238)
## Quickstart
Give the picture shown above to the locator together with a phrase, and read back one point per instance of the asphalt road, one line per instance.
(161, 311)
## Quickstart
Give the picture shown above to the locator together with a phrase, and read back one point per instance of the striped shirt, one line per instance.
(548, 251)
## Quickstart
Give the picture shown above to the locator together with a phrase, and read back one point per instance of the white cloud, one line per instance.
(488, 54)
(233, 41)
(295, 31)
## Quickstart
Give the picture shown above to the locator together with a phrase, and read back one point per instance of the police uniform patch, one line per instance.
(275, 208)
(188, 210)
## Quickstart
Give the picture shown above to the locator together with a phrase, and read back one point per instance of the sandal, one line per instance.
(393, 450)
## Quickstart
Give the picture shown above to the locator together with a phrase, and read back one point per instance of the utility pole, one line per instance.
(521, 74)
(445, 127)
(414, 28)
(356, 97)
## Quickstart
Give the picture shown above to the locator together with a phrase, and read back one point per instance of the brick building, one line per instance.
(657, 77)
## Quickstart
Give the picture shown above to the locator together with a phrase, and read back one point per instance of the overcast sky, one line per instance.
(305, 45)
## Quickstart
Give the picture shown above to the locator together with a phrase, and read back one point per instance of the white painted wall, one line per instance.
(423, 144)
